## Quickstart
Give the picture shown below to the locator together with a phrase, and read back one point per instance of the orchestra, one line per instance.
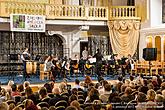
(86, 65)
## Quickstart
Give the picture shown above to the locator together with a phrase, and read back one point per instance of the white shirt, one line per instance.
(85, 54)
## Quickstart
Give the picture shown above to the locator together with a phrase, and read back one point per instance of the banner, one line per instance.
(27, 23)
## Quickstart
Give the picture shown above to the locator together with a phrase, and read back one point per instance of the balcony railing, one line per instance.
(52, 11)
(123, 12)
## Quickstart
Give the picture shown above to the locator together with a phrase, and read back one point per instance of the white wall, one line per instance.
(155, 12)
(119, 2)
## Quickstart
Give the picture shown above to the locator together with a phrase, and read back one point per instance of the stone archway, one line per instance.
(56, 44)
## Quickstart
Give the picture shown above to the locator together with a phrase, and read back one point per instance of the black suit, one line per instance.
(98, 57)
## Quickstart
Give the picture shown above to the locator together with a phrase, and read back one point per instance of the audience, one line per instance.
(140, 93)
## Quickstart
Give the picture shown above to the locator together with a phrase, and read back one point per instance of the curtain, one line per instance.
(124, 36)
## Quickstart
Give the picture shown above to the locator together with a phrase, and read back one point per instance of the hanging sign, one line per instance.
(27, 23)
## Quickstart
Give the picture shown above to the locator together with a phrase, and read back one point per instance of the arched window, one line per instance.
(131, 2)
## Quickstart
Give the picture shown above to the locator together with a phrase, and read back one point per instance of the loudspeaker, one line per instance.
(150, 54)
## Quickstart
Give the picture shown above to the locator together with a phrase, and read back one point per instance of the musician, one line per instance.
(48, 66)
(85, 54)
(98, 57)
(25, 57)
(56, 68)
(129, 62)
(64, 67)
(75, 63)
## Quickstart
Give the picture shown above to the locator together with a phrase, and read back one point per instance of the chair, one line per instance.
(80, 93)
(17, 99)
(43, 73)
(80, 97)
(46, 99)
(21, 105)
(65, 93)
(10, 101)
(51, 95)
(81, 101)
(43, 104)
(61, 103)
(60, 108)
(66, 98)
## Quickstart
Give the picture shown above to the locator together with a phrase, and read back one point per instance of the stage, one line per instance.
(34, 79)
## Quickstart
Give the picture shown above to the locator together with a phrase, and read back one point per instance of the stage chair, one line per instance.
(43, 73)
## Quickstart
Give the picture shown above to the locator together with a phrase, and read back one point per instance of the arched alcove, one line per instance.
(149, 42)
(158, 46)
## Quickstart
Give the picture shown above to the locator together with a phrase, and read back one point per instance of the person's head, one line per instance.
(48, 87)
(26, 84)
(163, 93)
(88, 79)
(56, 90)
(141, 97)
(26, 49)
(20, 88)
(73, 97)
(11, 106)
(111, 96)
(62, 87)
(76, 104)
(131, 78)
(107, 87)
(28, 91)
(71, 108)
(128, 90)
(10, 83)
(120, 78)
(4, 106)
(14, 87)
(43, 92)
(74, 91)
(28, 103)
(77, 81)
(163, 86)
(151, 95)
(159, 98)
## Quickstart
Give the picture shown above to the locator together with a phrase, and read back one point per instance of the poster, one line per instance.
(27, 23)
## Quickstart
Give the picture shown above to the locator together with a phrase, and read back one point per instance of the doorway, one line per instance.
(82, 47)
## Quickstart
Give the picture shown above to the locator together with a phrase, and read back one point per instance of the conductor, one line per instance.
(25, 57)
(98, 57)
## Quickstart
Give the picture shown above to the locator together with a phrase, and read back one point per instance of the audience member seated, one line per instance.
(14, 91)
(57, 97)
(30, 95)
(43, 95)
(105, 95)
(76, 104)
(126, 97)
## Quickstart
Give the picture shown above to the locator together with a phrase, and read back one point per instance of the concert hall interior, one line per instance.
(82, 54)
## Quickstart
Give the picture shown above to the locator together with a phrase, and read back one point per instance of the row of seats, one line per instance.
(154, 67)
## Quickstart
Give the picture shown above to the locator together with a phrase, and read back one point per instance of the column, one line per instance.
(162, 48)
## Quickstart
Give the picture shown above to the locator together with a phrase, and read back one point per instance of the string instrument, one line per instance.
(88, 66)
(75, 66)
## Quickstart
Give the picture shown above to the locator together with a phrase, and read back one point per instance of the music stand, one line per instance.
(13, 57)
(37, 57)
